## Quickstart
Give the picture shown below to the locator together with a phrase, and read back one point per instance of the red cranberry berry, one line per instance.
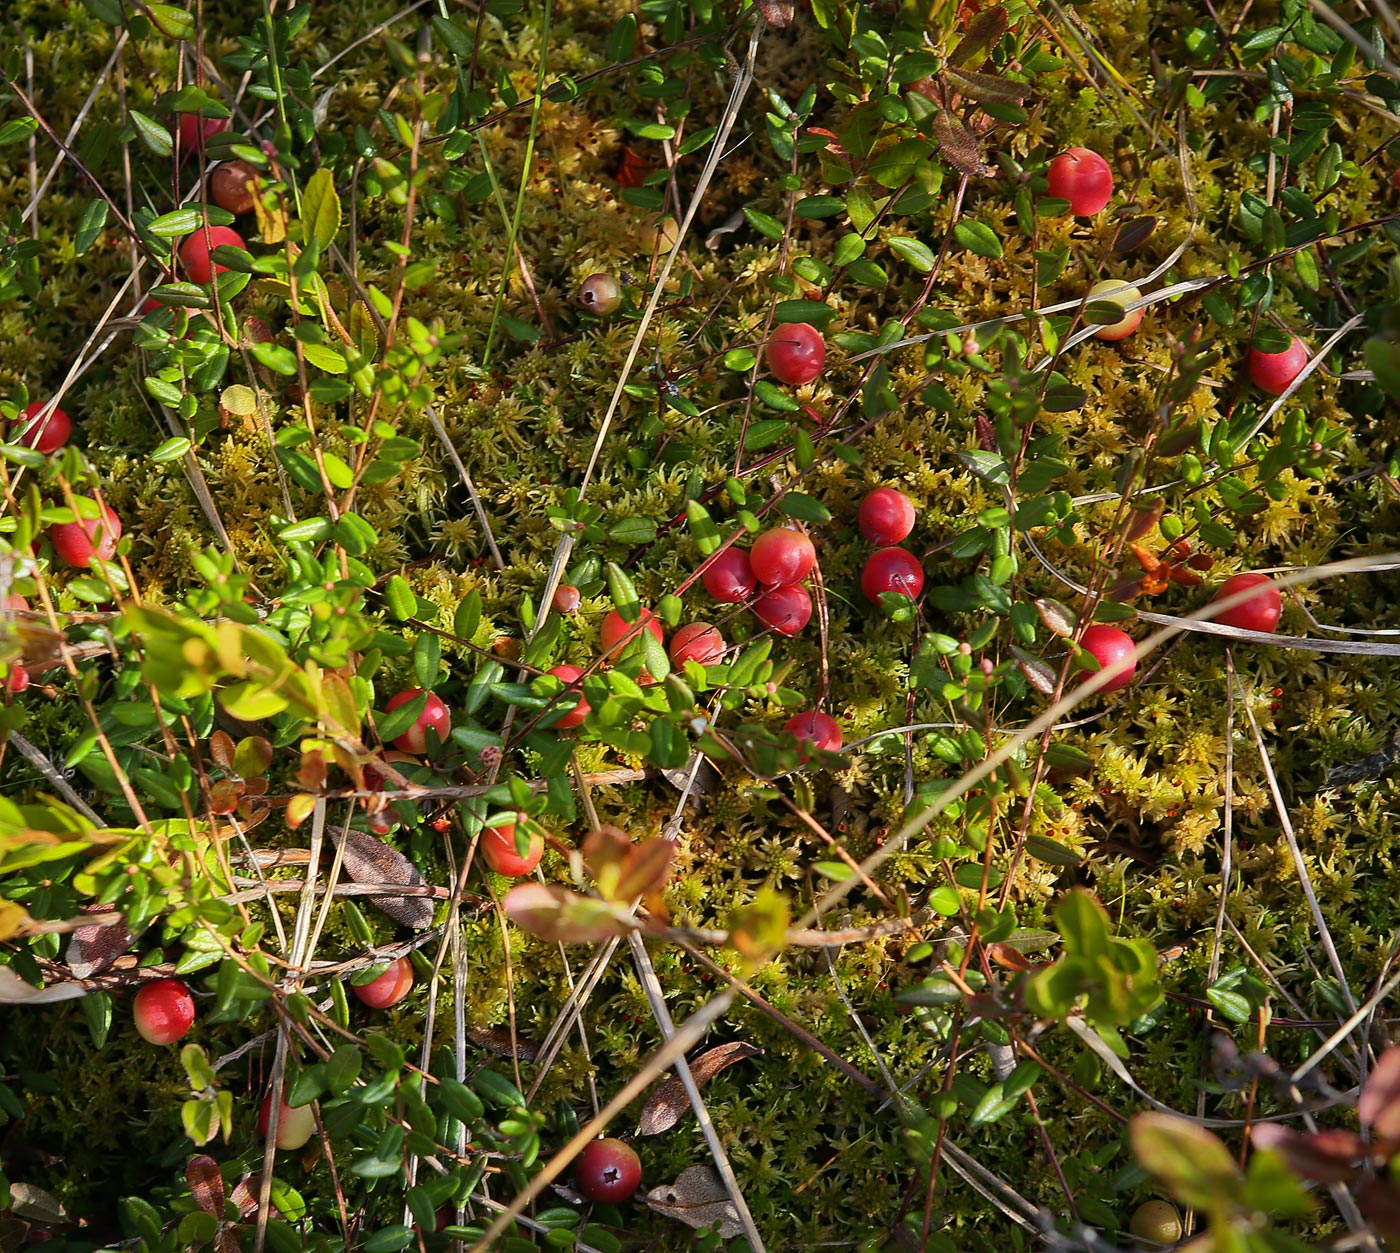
(608, 1170)
(1083, 178)
(819, 729)
(785, 610)
(892, 570)
(1113, 650)
(570, 675)
(729, 577)
(389, 988)
(434, 715)
(616, 629)
(191, 131)
(782, 557)
(699, 642)
(796, 353)
(886, 516)
(1274, 372)
(163, 1010)
(18, 677)
(498, 848)
(194, 252)
(232, 186)
(47, 436)
(1259, 612)
(78, 542)
(567, 598)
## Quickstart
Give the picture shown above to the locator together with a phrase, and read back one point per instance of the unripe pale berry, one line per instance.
(435, 715)
(1156, 1222)
(608, 1170)
(1113, 650)
(194, 252)
(1082, 177)
(46, 436)
(498, 848)
(819, 729)
(1260, 612)
(892, 570)
(796, 353)
(600, 294)
(1120, 293)
(782, 557)
(1274, 372)
(569, 675)
(78, 542)
(659, 234)
(785, 610)
(699, 642)
(886, 516)
(729, 577)
(294, 1126)
(163, 1010)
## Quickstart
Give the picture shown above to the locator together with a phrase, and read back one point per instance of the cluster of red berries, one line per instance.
(1083, 178)
(886, 517)
(1259, 610)
(781, 558)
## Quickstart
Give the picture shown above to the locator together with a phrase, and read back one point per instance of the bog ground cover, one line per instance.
(658, 625)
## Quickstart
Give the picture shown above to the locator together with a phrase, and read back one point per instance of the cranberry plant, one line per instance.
(695, 487)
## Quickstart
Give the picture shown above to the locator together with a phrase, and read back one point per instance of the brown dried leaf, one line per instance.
(92, 949)
(987, 88)
(370, 860)
(36, 1205)
(499, 1041)
(777, 13)
(983, 33)
(668, 1104)
(958, 144)
(698, 1198)
(1038, 674)
(986, 434)
(206, 1184)
(1141, 520)
(1058, 619)
(1134, 233)
(1125, 158)
(1379, 1105)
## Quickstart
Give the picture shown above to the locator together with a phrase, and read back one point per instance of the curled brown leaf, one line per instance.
(668, 1103)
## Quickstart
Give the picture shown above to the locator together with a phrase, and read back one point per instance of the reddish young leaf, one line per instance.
(1331, 1156)
(206, 1184)
(555, 913)
(1379, 1105)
